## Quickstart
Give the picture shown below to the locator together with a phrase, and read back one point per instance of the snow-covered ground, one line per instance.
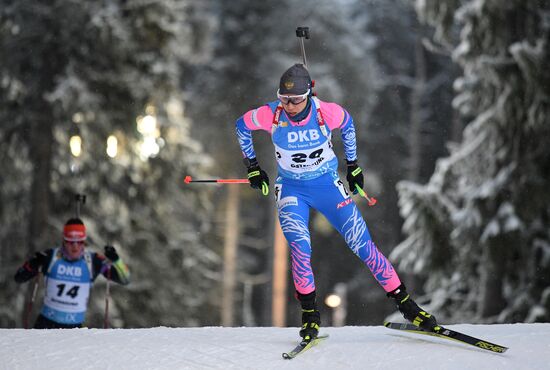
(372, 347)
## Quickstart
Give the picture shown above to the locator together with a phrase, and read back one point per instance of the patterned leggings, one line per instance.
(327, 195)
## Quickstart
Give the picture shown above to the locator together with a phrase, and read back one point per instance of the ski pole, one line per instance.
(301, 33)
(80, 199)
(107, 296)
(371, 200)
(265, 187)
(189, 179)
(31, 301)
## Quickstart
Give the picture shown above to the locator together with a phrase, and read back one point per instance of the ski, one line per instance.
(448, 334)
(303, 346)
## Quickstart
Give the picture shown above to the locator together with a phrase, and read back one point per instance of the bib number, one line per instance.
(72, 292)
(302, 157)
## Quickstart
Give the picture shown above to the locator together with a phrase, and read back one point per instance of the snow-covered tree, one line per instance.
(479, 230)
(90, 69)
(93, 68)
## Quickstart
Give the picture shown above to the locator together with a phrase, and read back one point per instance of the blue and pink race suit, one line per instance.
(308, 178)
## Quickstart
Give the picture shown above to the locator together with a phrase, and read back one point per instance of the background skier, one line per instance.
(69, 272)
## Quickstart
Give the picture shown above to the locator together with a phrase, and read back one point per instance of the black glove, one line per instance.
(258, 178)
(38, 260)
(110, 253)
(354, 176)
(31, 267)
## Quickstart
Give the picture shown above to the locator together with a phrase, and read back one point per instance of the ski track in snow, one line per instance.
(372, 347)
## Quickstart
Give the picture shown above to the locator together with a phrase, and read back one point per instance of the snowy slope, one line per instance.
(261, 348)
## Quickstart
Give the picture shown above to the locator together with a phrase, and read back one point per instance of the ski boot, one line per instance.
(411, 311)
(311, 321)
(311, 318)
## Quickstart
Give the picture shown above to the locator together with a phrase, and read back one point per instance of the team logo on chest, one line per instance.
(302, 136)
(75, 271)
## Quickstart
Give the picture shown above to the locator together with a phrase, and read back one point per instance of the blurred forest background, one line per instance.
(121, 99)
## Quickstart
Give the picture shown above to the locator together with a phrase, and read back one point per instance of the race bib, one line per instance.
(67, 296)
(304, 160)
